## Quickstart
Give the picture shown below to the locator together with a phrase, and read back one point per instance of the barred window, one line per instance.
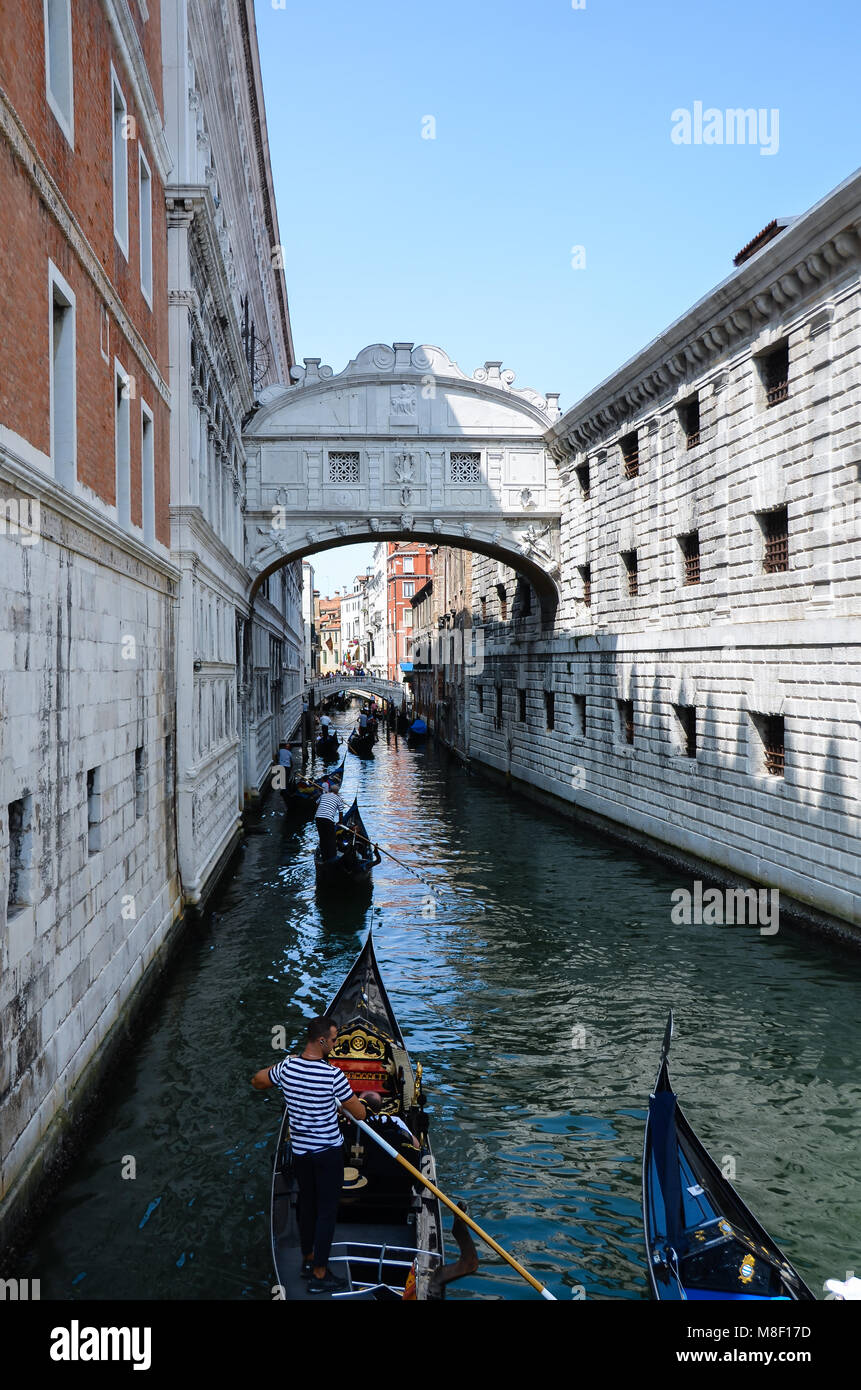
(626, 720)
(344, 468)
(689, 415)
(770, 728)
(629, 561)
(582, 475)
(630, 447)
(687, 717)
(465, 468)
(775, 531)
(775, 373)
(585, 572)
(690, 548)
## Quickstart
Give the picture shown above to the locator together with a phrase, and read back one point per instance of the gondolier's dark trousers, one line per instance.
(327, 831)
(320, 1176)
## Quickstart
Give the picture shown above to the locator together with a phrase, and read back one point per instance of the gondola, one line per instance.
(326, 746)
(417, 733)
(362, 745)
(388, 1241)
(302, 798)
(701, 1240)
(353, 865)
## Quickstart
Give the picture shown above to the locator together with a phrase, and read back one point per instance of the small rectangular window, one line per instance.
(521, 706)
(409, 564)
(626, 720)
(120, 140)
(774, 369)
(689, 416)
(582, 475)
(503, 601)
(58, 64)
(689, 545)
(630, 447)
(484, 608)
(499, 707)
(140, 783)
(63, 384)
(775, 532)
(408, 617)
(585, 572)
(770, 728)
(147, 474)
(687, 729)
(629, 561)
(94, 810)
(122, 445)
(480, 699)
(20, 888)
(145, 201)
(550, 709)
(579, 716)
(409, 588)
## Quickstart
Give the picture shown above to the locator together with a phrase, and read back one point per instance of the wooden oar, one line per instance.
(432, 1187)
(388, 853)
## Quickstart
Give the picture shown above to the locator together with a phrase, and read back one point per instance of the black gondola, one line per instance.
(327, 746)
(701, 1240)
(389, 1230)
(361, 744)
(301, 799)
(353, 865)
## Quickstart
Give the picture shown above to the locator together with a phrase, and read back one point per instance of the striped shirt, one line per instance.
(328, 806)
(309, 1087)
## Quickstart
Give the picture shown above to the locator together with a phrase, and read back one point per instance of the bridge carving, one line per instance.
(402, 444)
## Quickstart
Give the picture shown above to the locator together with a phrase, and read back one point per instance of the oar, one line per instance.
(408, 867)
(432, 1187)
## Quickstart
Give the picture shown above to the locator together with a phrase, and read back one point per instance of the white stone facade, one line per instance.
(240, 665)
(742, 646)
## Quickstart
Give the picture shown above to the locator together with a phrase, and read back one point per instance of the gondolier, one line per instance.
(311, 1086)
(329, 810)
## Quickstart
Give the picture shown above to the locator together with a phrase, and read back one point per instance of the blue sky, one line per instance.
(552, 131)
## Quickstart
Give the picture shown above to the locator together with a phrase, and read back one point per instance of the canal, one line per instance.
(533, 986)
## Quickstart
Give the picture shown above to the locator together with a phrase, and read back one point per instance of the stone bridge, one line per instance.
(403, 445)
(358, 685)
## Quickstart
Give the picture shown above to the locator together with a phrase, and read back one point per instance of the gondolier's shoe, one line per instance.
(330, 1283)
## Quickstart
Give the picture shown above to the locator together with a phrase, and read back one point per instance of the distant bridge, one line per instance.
(358, 685)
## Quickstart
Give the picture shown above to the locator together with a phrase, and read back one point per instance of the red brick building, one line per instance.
(83, 270)
(408, 566)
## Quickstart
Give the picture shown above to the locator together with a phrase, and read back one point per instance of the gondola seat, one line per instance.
(362, 1057)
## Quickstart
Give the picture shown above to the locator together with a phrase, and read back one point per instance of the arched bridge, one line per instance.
(358, 685)
(403, 444)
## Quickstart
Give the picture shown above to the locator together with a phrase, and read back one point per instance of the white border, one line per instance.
(143, 161)
(56, 278)
(115, 87)
(66, 123)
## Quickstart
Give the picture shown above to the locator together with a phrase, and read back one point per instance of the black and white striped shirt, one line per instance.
(309, 1086)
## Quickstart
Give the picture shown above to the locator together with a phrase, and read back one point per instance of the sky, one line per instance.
(499, 178)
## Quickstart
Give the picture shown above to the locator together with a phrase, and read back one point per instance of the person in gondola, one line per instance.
(285, 760)
(329, 813)
(311, 1086)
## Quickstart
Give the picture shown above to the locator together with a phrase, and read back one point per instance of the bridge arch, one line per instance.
(403, 445)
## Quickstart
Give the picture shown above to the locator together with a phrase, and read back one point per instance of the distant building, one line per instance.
(408, 565)
(328, 622)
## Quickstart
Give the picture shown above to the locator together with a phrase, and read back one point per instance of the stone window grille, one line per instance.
(770, 728)
(465, 468)
(579, 716)
(626, 720)
(94, 810)
(19, 893)
(687, 717)
(629, 560)
(344, 468)
(775, 373)
(689, 415)
(585, 572)
(630, 447)
(690, 548)
(775, 531)
(550, 709)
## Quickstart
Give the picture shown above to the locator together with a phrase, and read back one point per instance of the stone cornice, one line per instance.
(192, 517)
(817, 248)
(125, 36)
(68, 505)
(12, 129)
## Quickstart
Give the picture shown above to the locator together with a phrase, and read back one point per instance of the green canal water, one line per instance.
(544, 936)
